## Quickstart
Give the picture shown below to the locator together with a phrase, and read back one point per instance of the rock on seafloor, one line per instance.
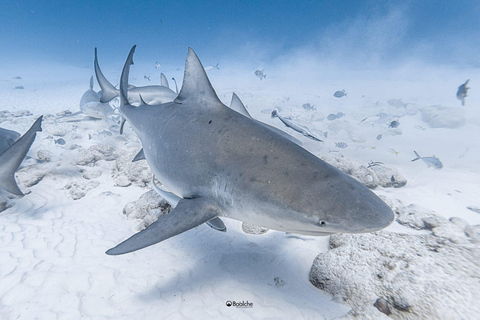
(149, 207)
(253, 229)
(414, 276)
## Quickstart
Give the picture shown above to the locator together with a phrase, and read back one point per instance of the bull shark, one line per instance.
(150, 94)
(215, 162)
(11, 158)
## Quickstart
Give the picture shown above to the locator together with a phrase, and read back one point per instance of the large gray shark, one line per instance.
(150, 94)
(215, 162)
(12, 157)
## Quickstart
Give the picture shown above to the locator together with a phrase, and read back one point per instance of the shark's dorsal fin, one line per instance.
(196, 86)
(124, 78)
(91, 83)
(163, 80)
(238, 106)
(108, 90)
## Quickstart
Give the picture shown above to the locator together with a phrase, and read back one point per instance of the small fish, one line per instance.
(374, 164)
(17, 78)
(340, 114)
(394, 124)
(420, 128)
(60, 141)
(19, 87)
(341, 145)
(260, 74)
(430, 161)
(157, 65)
(146, 77)
(295, 126)
(308, 106)
(394, 151)
(462, 92)
(339, 94)
(100, 135)
(379, 136)
(210, 68)
(331, 117)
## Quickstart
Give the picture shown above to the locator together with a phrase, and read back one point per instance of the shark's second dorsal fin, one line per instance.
(238, 106)
(164, 81)
(196, 86)
(91, 83)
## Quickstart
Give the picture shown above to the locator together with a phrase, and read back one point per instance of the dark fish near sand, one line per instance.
(339, 94)
(462, 92)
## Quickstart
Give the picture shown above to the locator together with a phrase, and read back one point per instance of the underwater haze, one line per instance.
(386, 91)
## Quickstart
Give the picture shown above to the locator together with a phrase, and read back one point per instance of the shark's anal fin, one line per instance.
(188, 214)
(11, 158)
(140, 156)
(217, 224)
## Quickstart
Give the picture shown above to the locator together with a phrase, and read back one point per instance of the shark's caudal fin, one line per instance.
(108, 90)
(11, 158)
(196, 86)
(188, 214)
(124, 78)
(163, 80)
(418, 156)
(238, 106)
(91, 83)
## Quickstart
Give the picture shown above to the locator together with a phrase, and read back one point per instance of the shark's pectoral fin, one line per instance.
(188, 214)
(217, 224)
(140, 156)
(9, 184)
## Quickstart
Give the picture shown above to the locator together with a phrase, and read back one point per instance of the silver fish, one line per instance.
(341, 145)
(430, 161)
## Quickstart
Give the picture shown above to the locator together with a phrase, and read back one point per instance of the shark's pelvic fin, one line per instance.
(140, 156)
(238, 106)
(164, 81)
(170, 197)
(11, 158)
(217, 224)
(196, 86)
(188, 214)
(108, 90)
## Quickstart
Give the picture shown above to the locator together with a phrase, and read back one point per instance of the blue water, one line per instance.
(378, 32)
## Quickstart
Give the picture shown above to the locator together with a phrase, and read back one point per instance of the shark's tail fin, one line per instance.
(11, 158)
(124, 78)
(216, 66)
(418, 156)
(108, 90)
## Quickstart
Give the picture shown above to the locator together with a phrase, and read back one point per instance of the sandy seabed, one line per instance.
(52, 241)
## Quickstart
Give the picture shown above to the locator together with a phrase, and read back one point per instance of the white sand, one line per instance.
(52, 260)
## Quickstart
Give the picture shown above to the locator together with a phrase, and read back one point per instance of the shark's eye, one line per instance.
(322, 223)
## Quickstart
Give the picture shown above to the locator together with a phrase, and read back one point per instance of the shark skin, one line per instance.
(220, 163)
(151, 94)
(11, 158)
(91, 105)
(7, 138)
